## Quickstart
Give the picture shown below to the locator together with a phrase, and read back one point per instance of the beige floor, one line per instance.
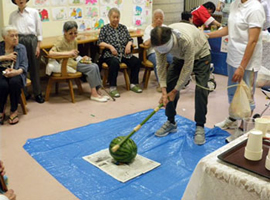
(31, 182)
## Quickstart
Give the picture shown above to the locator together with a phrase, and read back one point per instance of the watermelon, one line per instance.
(127, 151)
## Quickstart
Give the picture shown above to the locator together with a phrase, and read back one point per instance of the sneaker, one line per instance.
(227, 124)
(238, 132)
(114, 93)
(199, 137)
(166, 128)
(136, 89)
(98, 99)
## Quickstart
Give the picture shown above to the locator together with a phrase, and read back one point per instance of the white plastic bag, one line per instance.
(263, 78)
(240, 105)
(54, 66)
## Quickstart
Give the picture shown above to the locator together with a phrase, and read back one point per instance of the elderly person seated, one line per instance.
(116, 40)
(67, 46)
(157, 20)
(13, 70)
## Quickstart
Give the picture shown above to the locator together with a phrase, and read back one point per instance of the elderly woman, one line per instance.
(115, 38)
(13, 69)
(67, 46)
(157, 20)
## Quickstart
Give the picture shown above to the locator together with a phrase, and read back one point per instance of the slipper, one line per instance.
(13, 120)
(2, 118)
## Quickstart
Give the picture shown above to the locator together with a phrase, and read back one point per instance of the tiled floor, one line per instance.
(31, 182)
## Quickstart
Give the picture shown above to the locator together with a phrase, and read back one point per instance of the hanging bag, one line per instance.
(240, 105)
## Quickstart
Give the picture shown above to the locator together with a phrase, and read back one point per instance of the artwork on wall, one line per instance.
(75, 2)
(59, 13)
(41, 2)
(59, 2)
(75, 12)
(91, 2)
(92, 14)
(44, 15)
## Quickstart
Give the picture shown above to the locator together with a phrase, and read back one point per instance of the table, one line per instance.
(214, 179)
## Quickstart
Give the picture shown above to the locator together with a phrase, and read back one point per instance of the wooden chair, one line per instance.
(147, 65)
(123, 68)
(63, 76)
(22, 97)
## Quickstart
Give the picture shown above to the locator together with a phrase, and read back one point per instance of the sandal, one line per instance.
(13, 120)
(2, 118)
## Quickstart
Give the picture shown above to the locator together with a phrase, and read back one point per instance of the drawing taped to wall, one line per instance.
(75, 2)
(59, 2)
(75, 12)
(91, 2)
(41, 2)
(59, 13)
(44, 15)
(91, 12)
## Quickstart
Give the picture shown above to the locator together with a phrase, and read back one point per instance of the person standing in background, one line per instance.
(157, 20)
(266, 7)
(28, 23)
(224, 6)
(244, 56)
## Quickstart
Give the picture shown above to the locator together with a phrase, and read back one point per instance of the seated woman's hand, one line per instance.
(128, 49)
(11, 56)
(113, 50)
(74, 53)
(12, 72)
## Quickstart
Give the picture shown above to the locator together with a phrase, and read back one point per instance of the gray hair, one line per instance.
(7, 29)
(70, 25)
(116, 10)
(158, 11)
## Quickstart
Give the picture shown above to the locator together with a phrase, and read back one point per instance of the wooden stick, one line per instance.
(108, 93)
(3, 185)
(117, 146)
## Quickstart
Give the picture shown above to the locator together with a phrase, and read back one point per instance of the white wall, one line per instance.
(54, 28)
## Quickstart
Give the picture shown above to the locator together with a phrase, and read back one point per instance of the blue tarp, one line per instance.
(61, 155)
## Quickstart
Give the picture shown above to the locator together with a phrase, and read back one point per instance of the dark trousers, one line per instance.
(202, 71)
(12, 87)
(133, 64)
(30, 43)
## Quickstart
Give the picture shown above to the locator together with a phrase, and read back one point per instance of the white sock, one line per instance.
(132, 85)
(112, 88)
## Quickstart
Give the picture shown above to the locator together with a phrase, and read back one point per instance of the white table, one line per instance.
(214, 179)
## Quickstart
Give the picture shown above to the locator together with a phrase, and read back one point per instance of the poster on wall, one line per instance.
(75, 2)
(91, 2)
(118, 4)
(59, 2)
(41, 2)
(91, 12)
(59, 13)
(138, 15)
(148, 3)
(138, 1)
(75, 12)
(44, 14)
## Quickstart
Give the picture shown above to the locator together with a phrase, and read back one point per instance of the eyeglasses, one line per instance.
(73, 33)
